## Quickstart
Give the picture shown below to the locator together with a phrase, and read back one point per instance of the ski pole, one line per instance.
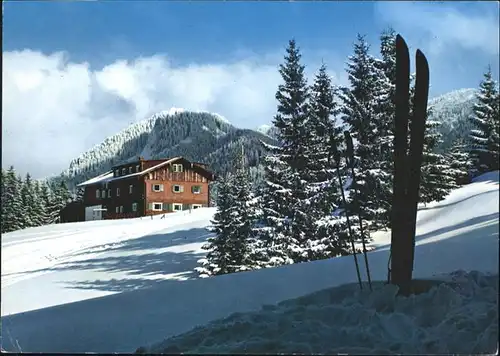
(336, 156)
(350, 156)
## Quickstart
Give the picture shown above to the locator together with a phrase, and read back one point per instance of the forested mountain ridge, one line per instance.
(198, 136)
(209, 138)
(453, 111)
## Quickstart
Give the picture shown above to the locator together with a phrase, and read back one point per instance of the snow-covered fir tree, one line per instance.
(484, 138)
(218, 258)
(287, 219)
(12, 205)
(324, 182)
(275, 243)
(437, 177)
(29, 201)
(297, 149)
(386, 118)
(459, 161)
(245, 245)
(361, 114)
(233, 248)
(50, 209)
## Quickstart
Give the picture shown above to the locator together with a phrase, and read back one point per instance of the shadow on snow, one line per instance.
(173, 307)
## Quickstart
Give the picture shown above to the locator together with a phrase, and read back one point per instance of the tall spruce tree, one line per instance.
(484, 138)
(12, 207)
(28, 199)
(38, 204)
(386, 118)
(324, 183)
(273, 238)
(218, 260)
(285, 195)
(459, 161)
(231, 249)
(361, 113)
(437, 177)
(292, 122)
(244, 251)
(49, 212)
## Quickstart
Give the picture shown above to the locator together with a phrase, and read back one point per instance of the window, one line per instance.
(103, 194)
(157, 206)
(196, 189)
(177, 167)
(109, 193)
(196, 206)
(177, 188)
(134, 206)
(137, 168)
(130, 189)
(157, 187)
(97, 194)
(117, 192)
(117, 209)
(121, 208)
(177, 207)
(124, 171)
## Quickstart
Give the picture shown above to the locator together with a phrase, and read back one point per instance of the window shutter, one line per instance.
(150, 206)
(161, 187)
(182, 189)
(165, 206)
(152, 187)
(173, 188)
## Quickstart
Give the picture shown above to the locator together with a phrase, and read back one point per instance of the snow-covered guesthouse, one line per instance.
(147, 187)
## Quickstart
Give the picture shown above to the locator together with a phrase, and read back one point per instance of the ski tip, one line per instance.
(421, 61)
(420, 56)
(400, 41)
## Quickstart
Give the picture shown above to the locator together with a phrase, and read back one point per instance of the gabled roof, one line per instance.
(99, 179)
(109, 176)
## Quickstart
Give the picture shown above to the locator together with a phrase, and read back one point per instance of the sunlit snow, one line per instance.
(142, 273)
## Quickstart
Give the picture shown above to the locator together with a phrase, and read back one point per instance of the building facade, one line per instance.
(147, 187)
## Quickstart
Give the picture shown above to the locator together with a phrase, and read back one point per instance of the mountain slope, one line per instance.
(210, 138)
(453, 110)
(198, 136)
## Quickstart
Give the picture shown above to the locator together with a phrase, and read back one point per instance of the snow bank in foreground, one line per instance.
(457, 316)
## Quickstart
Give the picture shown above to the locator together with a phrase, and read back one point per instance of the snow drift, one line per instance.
(459, 316)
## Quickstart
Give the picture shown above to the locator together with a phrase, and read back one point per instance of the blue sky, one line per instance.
(89, 69)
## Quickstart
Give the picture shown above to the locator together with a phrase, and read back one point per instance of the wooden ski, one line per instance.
(418, 122)
(400, 241)
(407, 164)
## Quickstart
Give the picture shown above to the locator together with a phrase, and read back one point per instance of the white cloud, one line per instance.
(443, 26)
(54, 109)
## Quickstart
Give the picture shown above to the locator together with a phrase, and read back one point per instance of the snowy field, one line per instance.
(52, 275)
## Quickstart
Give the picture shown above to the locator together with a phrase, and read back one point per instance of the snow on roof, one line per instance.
(168, 161)
(109, 176)
(99, 179)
